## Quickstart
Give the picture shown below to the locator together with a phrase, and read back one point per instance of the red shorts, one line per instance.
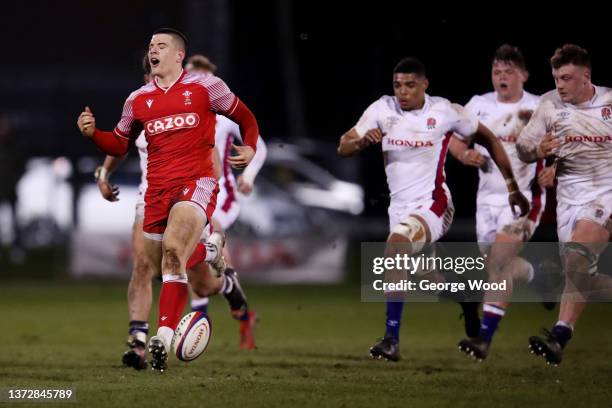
(158, 203)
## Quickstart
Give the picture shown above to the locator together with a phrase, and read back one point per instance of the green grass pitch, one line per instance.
(312, 352)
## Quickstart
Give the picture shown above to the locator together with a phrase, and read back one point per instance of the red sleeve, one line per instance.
(247, 122)
(128, 126)
(110, 143)
(222, 100)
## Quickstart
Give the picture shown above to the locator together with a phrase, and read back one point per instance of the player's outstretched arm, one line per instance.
(460, 150)
(487, 139)
(109, 142)
(351, 142)
(102, 175)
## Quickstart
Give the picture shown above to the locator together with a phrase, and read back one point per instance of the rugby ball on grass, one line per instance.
(191, 336)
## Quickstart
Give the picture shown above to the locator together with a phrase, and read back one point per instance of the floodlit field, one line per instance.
(313, 344)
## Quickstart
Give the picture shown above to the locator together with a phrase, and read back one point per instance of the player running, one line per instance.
(573, 123)
(414, 130)
(140, 287)
(505, 112)
(177, 111)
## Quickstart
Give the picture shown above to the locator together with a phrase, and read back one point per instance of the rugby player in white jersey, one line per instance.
(228, 206)
(573, 123)
(505, 112)
(414, 130)
(140, 285)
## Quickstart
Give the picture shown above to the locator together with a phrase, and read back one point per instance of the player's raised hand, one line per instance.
(548, 146)
(244, 186)
(517, 199)
(546, 178)
(373, 136)
(87, 123)
(243, 156)
(473, 158)
(108, 191)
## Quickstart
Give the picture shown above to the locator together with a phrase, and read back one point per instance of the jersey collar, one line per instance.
(165, 90)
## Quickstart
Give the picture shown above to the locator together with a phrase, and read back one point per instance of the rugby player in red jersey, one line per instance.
(178, 114)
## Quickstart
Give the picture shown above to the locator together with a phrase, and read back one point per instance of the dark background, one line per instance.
(306, 68)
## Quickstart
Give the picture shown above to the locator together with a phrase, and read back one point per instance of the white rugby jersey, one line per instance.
(415, 145)
(504, 121)
(141, 145)
(585, 156)
(226, 132)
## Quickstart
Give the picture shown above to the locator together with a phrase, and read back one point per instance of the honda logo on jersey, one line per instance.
(408, 143)
(174, 122)
(584, 138)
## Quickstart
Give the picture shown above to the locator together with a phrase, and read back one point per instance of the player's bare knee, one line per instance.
(142, 269)
(496, 263)
(578, 261)
(517, 230)
(409, 235)
(171, 261)
(203, 283)
(201, 289)
(205, 289)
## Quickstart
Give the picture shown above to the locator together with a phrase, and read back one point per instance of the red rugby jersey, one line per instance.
(179, 124)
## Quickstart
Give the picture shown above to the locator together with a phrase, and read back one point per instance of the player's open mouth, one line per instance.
(154, 62)
(503, 86)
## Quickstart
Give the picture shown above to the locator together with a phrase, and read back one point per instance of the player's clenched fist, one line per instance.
(517, 199)
(548, 146)
(244, 186)
(373, 136)
(242, 158)
(546, 178)
(473, 158)
(87, 122)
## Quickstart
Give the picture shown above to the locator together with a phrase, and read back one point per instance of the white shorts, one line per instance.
(598, 211)
(438, 225)
(228, 207)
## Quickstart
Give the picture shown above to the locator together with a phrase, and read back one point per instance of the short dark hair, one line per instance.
(510, 54)
(200, 61)
(176, 34)
(146, 65)
(570, 54)
(410, 65)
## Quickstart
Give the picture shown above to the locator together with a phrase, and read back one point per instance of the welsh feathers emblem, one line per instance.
(187, 96)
